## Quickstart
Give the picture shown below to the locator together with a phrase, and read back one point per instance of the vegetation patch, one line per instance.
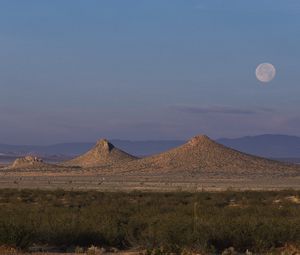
(165, 222)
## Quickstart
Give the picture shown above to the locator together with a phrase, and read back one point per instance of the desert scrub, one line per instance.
(168, 222)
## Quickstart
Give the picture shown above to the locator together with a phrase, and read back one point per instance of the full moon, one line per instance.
(265, 72)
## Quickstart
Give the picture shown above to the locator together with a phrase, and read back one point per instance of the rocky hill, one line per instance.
(102, 154)
(204, 156)
(28, 162)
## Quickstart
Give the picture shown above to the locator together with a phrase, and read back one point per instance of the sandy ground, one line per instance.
(144, 183)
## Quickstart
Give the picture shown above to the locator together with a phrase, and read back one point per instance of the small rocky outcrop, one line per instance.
(28, 161)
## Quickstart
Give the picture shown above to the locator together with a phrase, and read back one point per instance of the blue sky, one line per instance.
(77, 70)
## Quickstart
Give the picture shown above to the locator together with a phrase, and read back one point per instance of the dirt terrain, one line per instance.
(199, 164)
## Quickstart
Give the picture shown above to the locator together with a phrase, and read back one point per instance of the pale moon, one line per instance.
(265, 72)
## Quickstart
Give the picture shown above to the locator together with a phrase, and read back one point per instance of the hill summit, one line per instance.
(102, 154)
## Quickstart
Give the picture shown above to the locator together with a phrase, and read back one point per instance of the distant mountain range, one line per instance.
(270, 146)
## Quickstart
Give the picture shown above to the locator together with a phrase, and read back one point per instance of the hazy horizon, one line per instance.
(79, 70)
